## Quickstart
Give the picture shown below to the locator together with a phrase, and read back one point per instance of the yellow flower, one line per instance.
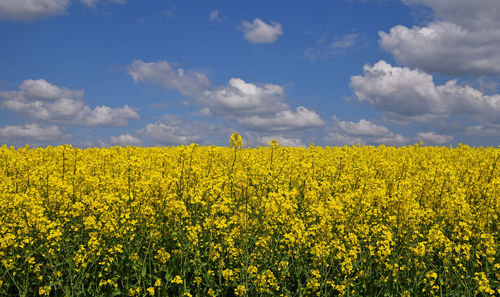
(252, 269)
(177, 280)
(241, 290)
(236, 141)
(273, 143)
(227, 274)
(197, 280)
(45, 290)
(151, 290)
(431, 274)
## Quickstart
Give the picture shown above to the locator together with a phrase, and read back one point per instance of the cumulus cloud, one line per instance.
(469, 14)
(257, 107)
(28, 10)
(363, 132)
(40, 89)
(106, 116)
(170, 134)
(301, 118)
(260, 32)
(254, 106)
(243, 98)
(412, 94)
(31, 132)
(362, 128)
(170, 130)
(125, 139)
(174, 130)
(186, 82)
(44, 101)
(449, 48)
(433, 138)
(337, 138)
(463, 40)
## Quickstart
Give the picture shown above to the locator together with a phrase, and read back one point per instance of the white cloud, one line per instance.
(301, 118)
(255, 140)
(255, 106)
(469, 14)
(463, 40)
(174, 130)
(433, 138)
(42, 100)
(162, 73)
(125, 139)
(486, 84)
(325, 49)
(395, 89)
(119, 1)
(449, 48)
(362, 128)
(40, 89)
(260, 32)
(31, 132)
(483, 130)
(363, 132)
(337, 138)
(205, 111)
(106, 116)
(214, 16)
(235, 100)
(92, 3)
(394, 139)
(345, 42)
(168, 134)
(412, 94)
(28, 10)
(243, 98)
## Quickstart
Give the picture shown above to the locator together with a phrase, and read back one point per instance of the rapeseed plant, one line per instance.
(266, 221)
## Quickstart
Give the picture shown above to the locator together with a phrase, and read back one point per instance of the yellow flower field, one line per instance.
(233, 221)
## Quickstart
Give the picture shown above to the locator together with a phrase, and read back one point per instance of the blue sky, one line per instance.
(128, 72)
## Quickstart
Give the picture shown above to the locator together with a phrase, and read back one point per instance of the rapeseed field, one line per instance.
(234, 221)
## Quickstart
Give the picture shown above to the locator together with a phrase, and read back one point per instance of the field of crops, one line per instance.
(267, 221)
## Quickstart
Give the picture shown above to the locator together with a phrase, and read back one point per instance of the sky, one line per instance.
(94, 73)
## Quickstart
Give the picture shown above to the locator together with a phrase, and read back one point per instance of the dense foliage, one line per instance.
(268, 221)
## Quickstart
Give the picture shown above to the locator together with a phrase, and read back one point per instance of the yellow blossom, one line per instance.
(177, 280)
